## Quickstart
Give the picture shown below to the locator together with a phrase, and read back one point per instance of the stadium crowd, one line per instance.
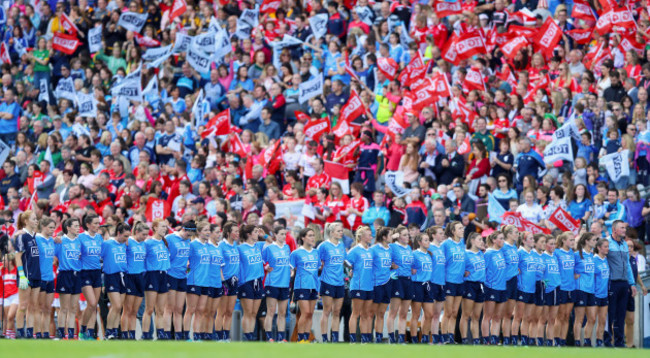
(482, 165)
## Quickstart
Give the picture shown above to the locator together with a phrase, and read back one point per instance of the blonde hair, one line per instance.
(360, 232)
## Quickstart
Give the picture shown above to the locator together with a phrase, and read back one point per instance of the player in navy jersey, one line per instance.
(332, 289)
(276, 284)
(422, 270)
(382, 290)
(474, 294)
(552, 282)
(46, 295)
(536, 336)
(136, 253)
(511, 256)
(359, 258)
(527, 281)
(566, 262)
(91, 274)
(228, 249)
(115, 267)
(29, 271)
(198, 285)
(454, 250)
(402, 286)
(68, 281)
(179, 252)
(437, 236)
(251, 288)
(215, 293)
(601, 288)
(155, 280)
(585, 304)
(305, 262)
(495, 287)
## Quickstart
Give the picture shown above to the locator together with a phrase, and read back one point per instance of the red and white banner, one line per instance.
(270, 6)
(145, 41)
(178, 8)
(218, 125)
(548, 36)
(582, 10)
(301, 116)
(629, 43)
(353, 109)
(441, 87)
(474, 80)
(236, 145)
(388, 67)
(510, 48)
(564, 221)
(449, 52)
(68, 25)
(621, 17)
(423, 96)
(470, 44)
(315, 128)
(271, 157)
(65, 43)
(526, 32)
(581, 37)
(338, 173)
(157, 209)
(444, 8)
(460, 110)
(4, 54)
(514, 218)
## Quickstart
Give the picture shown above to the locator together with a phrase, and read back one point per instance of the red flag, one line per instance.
(65, 43)
(470, 44)
(157, 209)
(621, 17)
(271, 157)
(178, 8)
(68, 25)
(607, 4)
(412, 75)
(449, 52)
(315, 128)
(514, 218)
(513, 46)
(218, 125)
(629, 43)
(461, 111)
(444, 8)
(347, 149)
(4, 54)
(507, 76)
(301, 116)
(339, 174)
(145, 41)
(353, 109)
(524, 16)
(441, 86)
(582, 10)
(548, 36)
(32, 201)
(388, 67)
(526, 32)
(270, 6)
(581, 37)
(236, 145)
(564, 221)
(474, 80)
(424, 95)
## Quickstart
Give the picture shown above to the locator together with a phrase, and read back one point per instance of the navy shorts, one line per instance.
(279, 293)
(115, 282)
(382, 293)
(584, 299)
(176, 284)
(438, 292)
(34, 283)
(134, 284)
(498, 296)
(539, 293)
(68, 282)
(332, 291)
(198, 290)
(604, 302)
(156, 281)
(361, 295)
(215, 292)
(454, 289)
(552, 298)
(305, 295)
(564, 296)
(512, 292)
(525, 297)
(402, 288)
(91, 278)
(422, 292)
(474, 291)
(252, 290)
(47, 286)
(230, 286)
(630, 303)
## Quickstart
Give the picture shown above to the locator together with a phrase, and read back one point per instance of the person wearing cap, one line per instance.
(199, 206)
(415, 129)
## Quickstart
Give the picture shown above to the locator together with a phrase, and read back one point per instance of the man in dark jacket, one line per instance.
(12, 180)
(449, 166)
(616, 91)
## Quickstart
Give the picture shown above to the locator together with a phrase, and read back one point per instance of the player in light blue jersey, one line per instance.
(495, 288)
(552, 281)
(155, 280)
(305, 262)
(511, 256)
(136, 253)
(422, 270)
(359, 258)
(527, 281)
(454, 250)
(601, 288)
(228, 249)
(566, 263)
(91, 274)
(437, 237)
(585, 304)
(400, 301)
(276, 284)
(114, 267)
(215, 293)
(198, 282)
(179, 252)
(46, 247)
(473, 293)
(381, 264)
(68, 282)
(536, 336)
(251, 288)
(332, 290)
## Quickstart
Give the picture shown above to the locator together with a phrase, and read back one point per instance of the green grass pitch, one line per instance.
(118, 349)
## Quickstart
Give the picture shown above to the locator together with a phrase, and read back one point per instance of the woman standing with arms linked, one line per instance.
(155, 279)
(228, 249)
(332, 289)
(134, 281)
(305, 262)
(454, 250)
(278, 277)
(251, 287)
(91, 275)
(179, 254)
(68, 282)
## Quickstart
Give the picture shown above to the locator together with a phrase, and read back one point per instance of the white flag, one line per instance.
(310, 89)
(243, 29)
(182, 42)
(132, 21)
(568, 129)
(559, 149)
(197, 108)
(206, 41)
(318, 25)
(365, 14)
(87, 105)
(44, 91)
(198, 59)
(129, 88)
(152, 87)
(95, 39)
(158, 56)
(617, 165)
(395, 181)
(251, 17)
(65, 89)
(5, 149)
(287, 41)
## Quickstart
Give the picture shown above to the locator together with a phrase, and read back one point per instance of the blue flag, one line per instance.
(495, 210)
